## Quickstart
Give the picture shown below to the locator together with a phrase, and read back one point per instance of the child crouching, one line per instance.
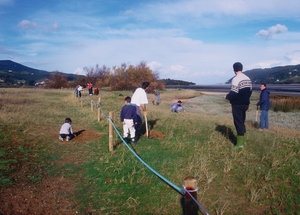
(66, 131)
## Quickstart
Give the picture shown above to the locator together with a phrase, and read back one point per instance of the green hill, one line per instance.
(14, 74)
(274, 75)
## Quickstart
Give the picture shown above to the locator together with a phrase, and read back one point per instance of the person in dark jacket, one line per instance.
(264, 103)
(129, 118)
(239, 97)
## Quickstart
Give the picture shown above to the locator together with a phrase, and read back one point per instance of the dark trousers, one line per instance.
(139, 122)
(137, 127)
(239, 117)
(71, 136)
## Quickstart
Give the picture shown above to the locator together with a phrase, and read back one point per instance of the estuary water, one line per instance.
(279, 89)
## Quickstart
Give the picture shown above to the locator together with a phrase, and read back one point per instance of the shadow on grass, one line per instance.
(78, 132)
(227, 133)
(151, 124)
(142, 131)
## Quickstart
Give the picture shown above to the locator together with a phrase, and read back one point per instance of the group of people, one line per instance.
(238, 96)
(131, 113)
(79, 88)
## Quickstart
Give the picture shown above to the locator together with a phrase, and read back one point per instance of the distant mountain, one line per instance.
(12, 73)
(274, 75)
(169, 81)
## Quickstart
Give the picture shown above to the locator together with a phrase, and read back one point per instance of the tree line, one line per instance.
(124, 77)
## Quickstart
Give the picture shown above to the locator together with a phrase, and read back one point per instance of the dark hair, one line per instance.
(145, 84)
(68, 120)
(237, 67)
(179, 101)
(127, 99)
(264, 84)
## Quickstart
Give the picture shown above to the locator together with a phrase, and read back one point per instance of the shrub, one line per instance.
(285, 103)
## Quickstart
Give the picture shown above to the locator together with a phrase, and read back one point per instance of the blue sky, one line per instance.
(191, 40)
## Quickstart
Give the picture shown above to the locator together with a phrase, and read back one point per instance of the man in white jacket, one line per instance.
(140, 100)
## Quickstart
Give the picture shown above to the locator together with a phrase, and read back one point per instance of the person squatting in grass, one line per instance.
(128, 118)
(177, 107)
(96, 91)
(264, 103)
(139, 99)
(239, 97)
(66, 130)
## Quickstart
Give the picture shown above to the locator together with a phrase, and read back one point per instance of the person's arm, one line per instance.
(71, 130)
(232, 95)
(143, 107)
(122, 115)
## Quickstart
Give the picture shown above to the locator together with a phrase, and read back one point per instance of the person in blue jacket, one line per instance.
(129, 119)
(264, 103)
(177, 107)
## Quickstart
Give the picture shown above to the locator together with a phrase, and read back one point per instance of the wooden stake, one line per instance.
(190, 206)
(99, 114)
(111, 132)
(146, 123)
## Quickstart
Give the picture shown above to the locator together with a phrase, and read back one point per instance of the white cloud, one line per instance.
(166, 34)
(79, 71)
(25, 24)
(277, 29)
(293, 57)
(155, 66)
(6, 2)
(215, 12)
(28, 25)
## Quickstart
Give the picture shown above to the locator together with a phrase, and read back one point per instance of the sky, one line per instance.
(191, 40)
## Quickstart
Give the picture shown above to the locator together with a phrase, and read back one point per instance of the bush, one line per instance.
(285, 103)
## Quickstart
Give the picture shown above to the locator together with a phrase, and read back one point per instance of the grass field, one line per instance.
(41, 175)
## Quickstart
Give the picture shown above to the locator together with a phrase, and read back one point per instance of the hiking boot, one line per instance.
(60, 138)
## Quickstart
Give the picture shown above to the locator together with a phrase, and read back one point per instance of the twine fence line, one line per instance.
(183, 191)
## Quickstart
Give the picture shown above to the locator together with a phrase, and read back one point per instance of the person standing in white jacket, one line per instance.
(140, 100)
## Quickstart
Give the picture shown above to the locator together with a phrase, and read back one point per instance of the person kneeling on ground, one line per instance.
(177, 107)
(66, 130)
(96, 91)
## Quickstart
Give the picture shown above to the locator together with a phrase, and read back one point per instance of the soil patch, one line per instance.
(156, 134)
(52, 195)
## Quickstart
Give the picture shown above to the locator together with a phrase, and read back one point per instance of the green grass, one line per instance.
(262, 178)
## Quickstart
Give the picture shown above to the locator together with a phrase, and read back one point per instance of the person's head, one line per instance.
(179, 103)
(127, 99)
(263, 86)
(145, 85)
(68, 120)
(237, 67)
